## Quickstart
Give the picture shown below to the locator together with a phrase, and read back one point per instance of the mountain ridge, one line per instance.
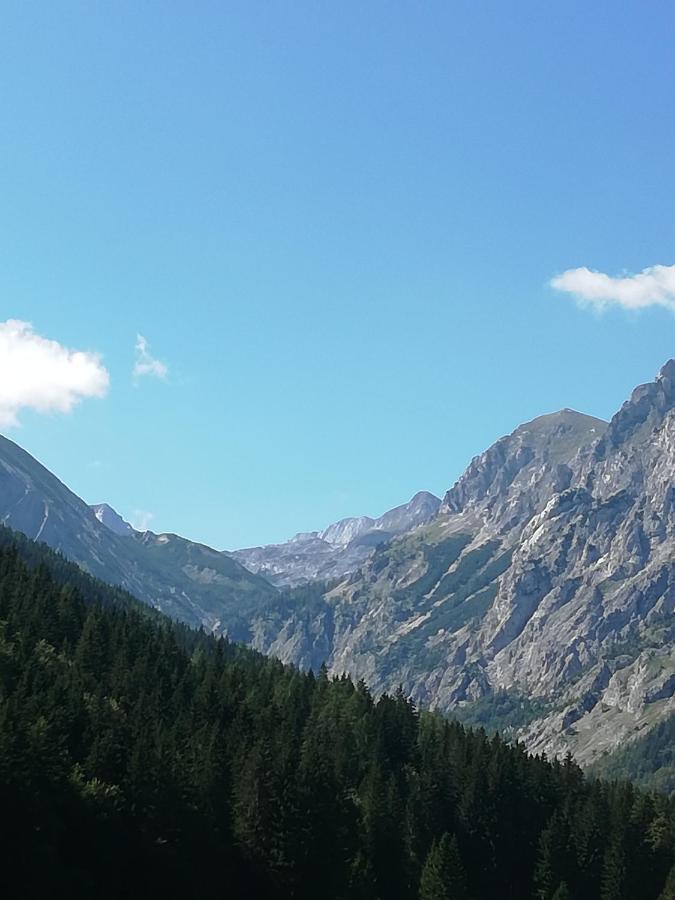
(338, 549)
(187, 580)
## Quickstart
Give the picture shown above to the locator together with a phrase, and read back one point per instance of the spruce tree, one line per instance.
(614, 873)
(668, 892)
(443, 875)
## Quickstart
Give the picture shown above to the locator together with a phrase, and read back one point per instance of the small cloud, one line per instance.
(42, 375)
(145, 363)
(141, 519)
(654, 286)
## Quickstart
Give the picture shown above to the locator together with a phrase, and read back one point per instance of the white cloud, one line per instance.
(141, 519)
(39, 374)
(146, 364)
(654, 286)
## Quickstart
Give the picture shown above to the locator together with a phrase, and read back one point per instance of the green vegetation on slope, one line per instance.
(649, 760)
(502, 712)
(141, 759)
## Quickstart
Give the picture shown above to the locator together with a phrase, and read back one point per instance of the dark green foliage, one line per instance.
(649, 761)
(501, 712)
(139, 759)
(443, 876)
(668, 892)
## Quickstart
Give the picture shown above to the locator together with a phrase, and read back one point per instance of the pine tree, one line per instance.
(614, 872)
(552, 862)
(443, 876)
(668, 892)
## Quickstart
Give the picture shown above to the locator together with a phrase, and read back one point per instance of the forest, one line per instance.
(139, 758)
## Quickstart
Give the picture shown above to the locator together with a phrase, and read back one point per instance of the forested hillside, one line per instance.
(140, 759)
(648, 761)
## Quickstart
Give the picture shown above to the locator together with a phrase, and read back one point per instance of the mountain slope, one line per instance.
(396, 618)
(548, 575)
(649, 760)
(189, 581)
(337, 550)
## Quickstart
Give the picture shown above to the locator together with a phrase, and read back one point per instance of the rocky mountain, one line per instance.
(111, 519)
(189, 581)
(340, 548)
(537, 597)
(540, 597)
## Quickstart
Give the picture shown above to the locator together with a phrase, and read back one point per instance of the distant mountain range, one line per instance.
(340, 548)
(538, 596)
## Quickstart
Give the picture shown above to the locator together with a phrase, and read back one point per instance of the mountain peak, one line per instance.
(112, 520)
(667, 371)
(423, 498)
(563, 418)
(644, 410)
(536, 452)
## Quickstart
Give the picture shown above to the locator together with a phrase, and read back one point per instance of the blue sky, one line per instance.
(336, 226)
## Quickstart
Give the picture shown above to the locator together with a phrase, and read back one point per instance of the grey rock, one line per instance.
(339, 549)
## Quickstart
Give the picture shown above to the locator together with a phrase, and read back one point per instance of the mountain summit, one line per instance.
(111, 519)
(515, 476)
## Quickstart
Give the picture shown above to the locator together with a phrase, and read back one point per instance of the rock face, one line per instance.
(191, 582)
(337, 550)
(547, 576)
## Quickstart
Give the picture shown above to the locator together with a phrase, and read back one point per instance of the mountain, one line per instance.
(540, 597)
(337, 550)
(111, 519)
(186, 580)
(141, 759)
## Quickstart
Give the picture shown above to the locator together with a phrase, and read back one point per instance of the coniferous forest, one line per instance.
(141, 759)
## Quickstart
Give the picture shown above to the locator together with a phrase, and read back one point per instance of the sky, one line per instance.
(267, 265)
